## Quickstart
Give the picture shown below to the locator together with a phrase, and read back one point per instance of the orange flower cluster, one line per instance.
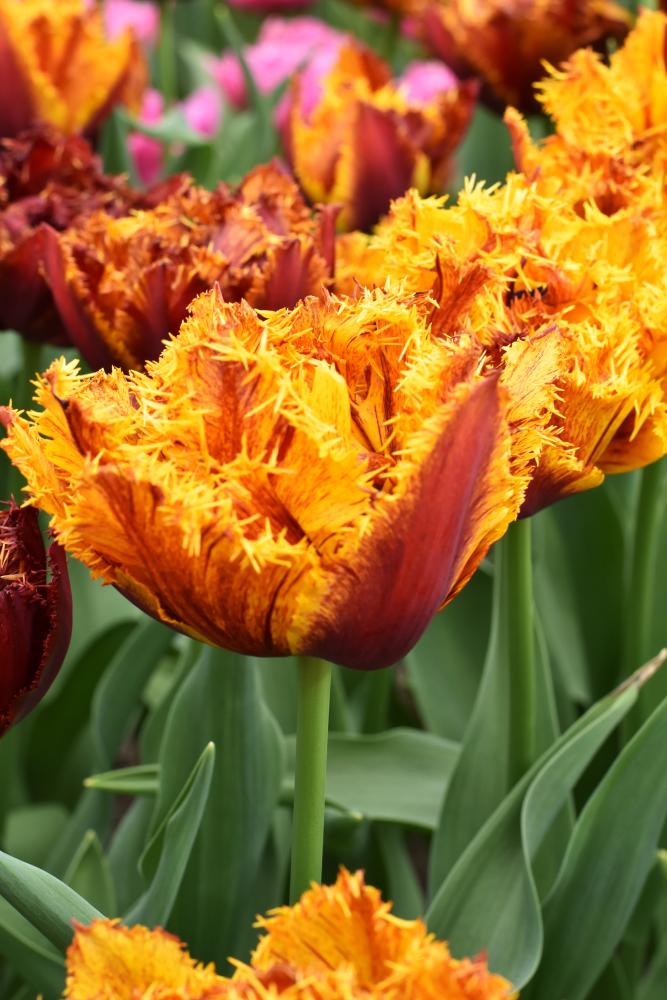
(339, 942)
(57, 67)
(562, 262)
(366, 142)
(121, 286)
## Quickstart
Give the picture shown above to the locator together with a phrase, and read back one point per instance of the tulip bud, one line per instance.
(35, 613)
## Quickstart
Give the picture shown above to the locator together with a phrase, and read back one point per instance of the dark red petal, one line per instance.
(17, 111)
(384, 163)
(407, 566)
(26, 303)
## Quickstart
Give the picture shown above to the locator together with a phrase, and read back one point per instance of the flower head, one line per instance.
(367, 141)
(505, 41)
(315, 481)
(122, 286)
(568, 304)
(45, 179)
(339, 942)
(141, 16)
(610, 123)
(56, 66)
(35, 614)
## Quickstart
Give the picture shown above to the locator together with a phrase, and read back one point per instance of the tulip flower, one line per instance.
(48, 184)
(35, 614)
(45, 178)
(339, 942)
(610, 123)
(316, 481)
(56, 66)
(141, 16)
(504, 42)
(283, 46)
(123, 285)
(570, 304)
(366, 141)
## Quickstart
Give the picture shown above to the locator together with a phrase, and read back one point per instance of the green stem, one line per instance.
(167, 53)
(516, 582)
(310, 773)
(648, 520)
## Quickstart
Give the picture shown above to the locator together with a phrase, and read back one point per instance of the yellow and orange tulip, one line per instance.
(316, 481)
(339, 942)
(57, 67)
(365, 142)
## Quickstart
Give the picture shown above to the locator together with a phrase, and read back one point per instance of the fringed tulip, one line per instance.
(122, 286)
(48, 184)
(339, 942)
(57, 67)
(366, 141)
(35, 614)
(317, 481)
(504, 42)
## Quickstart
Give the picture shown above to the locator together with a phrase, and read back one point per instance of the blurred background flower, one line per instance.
(58, 66)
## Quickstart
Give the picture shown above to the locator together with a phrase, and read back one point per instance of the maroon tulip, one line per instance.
(35, 613)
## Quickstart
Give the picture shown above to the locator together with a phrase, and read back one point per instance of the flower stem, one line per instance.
(640, 600)
(310, 774)
(516, 580)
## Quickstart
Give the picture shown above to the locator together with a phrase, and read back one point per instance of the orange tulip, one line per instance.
(56, 66)
(366, 142)
(317, 481)
(339, 942)
(123, 285)
(505, 42)
(568, 307)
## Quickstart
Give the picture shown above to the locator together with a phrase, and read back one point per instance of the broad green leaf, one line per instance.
(89, 875)
(398, 777)
(30, 954)
(445, 667)
(610, 855)
(489, 899)
(58, 724)
(46, 902)
(31, 830)
(172, 127)
(481, 777)
(142, 779)
(170, 847)
(221, 700)
(115, 705)
(279, 683)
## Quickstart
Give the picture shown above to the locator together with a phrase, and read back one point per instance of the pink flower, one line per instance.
(141, 16)
(202, 111)
(268, 5)
(282, 47)
(146, 152)
(421, 81)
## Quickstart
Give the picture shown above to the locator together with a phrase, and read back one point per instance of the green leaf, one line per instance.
(445, 666)
(116, 701)
(374, 776)
(31, 830)
(46, 902)
(172, 127)
(142, 779)
(30, 954)
(401, 880)
(89, 875)
(489, 899)
(221, 700)
(127, 845)
(609, 857)
(169, 850)
(481, 777)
